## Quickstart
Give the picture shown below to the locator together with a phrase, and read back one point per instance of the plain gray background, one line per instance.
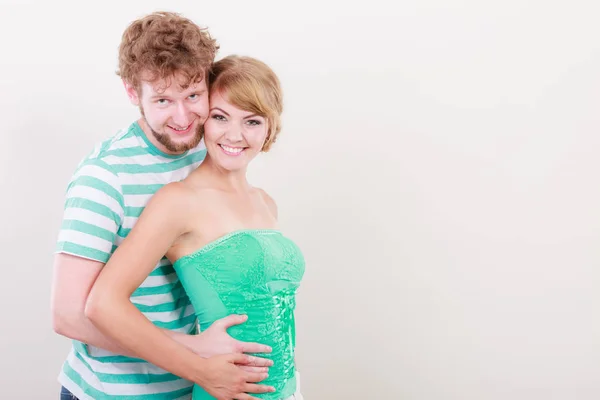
(438, 164)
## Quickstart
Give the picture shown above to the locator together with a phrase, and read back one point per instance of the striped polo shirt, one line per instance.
(106, 195)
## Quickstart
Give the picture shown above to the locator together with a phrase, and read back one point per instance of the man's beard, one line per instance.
(171, 145)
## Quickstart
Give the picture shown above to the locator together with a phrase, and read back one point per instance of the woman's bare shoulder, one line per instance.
(269, 201)
(173, 194)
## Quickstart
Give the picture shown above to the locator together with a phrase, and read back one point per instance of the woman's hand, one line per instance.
(216, 341)
(223, 379)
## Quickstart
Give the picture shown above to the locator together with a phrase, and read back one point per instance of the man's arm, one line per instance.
(92, 216)
(73, 278)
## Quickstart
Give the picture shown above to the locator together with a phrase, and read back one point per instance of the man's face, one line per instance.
(173, 116)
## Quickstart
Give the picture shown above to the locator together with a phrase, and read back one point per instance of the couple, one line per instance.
(171, 275)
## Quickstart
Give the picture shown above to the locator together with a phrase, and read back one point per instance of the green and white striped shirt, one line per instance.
(104, 199)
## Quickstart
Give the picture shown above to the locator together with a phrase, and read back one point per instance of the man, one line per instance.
(163, 62)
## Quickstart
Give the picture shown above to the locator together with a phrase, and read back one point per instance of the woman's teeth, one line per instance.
(235, 150)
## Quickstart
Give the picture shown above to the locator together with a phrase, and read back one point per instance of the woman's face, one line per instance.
(233, 137)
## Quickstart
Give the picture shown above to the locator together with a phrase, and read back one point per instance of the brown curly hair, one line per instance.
(250, 85)
(162, 44)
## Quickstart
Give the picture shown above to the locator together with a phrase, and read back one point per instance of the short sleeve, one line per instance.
(93, 213)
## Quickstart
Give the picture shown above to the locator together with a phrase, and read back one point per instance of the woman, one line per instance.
(219, 232)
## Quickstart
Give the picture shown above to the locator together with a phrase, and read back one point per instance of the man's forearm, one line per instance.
(82, 329)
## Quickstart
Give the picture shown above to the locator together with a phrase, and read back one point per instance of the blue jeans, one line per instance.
(66, 395)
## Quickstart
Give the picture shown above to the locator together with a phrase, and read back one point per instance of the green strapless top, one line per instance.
(254, 272)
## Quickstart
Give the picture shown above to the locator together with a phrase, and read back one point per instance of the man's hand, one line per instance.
(216, 341)
(223, 378)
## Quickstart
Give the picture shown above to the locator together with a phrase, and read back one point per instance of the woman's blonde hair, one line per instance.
(250, 85)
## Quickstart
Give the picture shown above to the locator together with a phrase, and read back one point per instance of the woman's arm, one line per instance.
(111, 311)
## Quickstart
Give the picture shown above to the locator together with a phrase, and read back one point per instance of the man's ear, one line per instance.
(131, 93)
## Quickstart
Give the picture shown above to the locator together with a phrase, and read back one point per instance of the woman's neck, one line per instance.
(222, 179)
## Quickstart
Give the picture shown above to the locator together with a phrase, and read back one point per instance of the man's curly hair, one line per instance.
(164, 43)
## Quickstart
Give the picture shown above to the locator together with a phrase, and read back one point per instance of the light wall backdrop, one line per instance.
(438, 165)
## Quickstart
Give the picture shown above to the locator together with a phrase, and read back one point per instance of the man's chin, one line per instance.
(179, 145)
(174, 146)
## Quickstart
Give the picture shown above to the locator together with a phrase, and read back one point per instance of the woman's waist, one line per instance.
(271, 323)
(265, 311)
(279, 334)
(270, 326)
